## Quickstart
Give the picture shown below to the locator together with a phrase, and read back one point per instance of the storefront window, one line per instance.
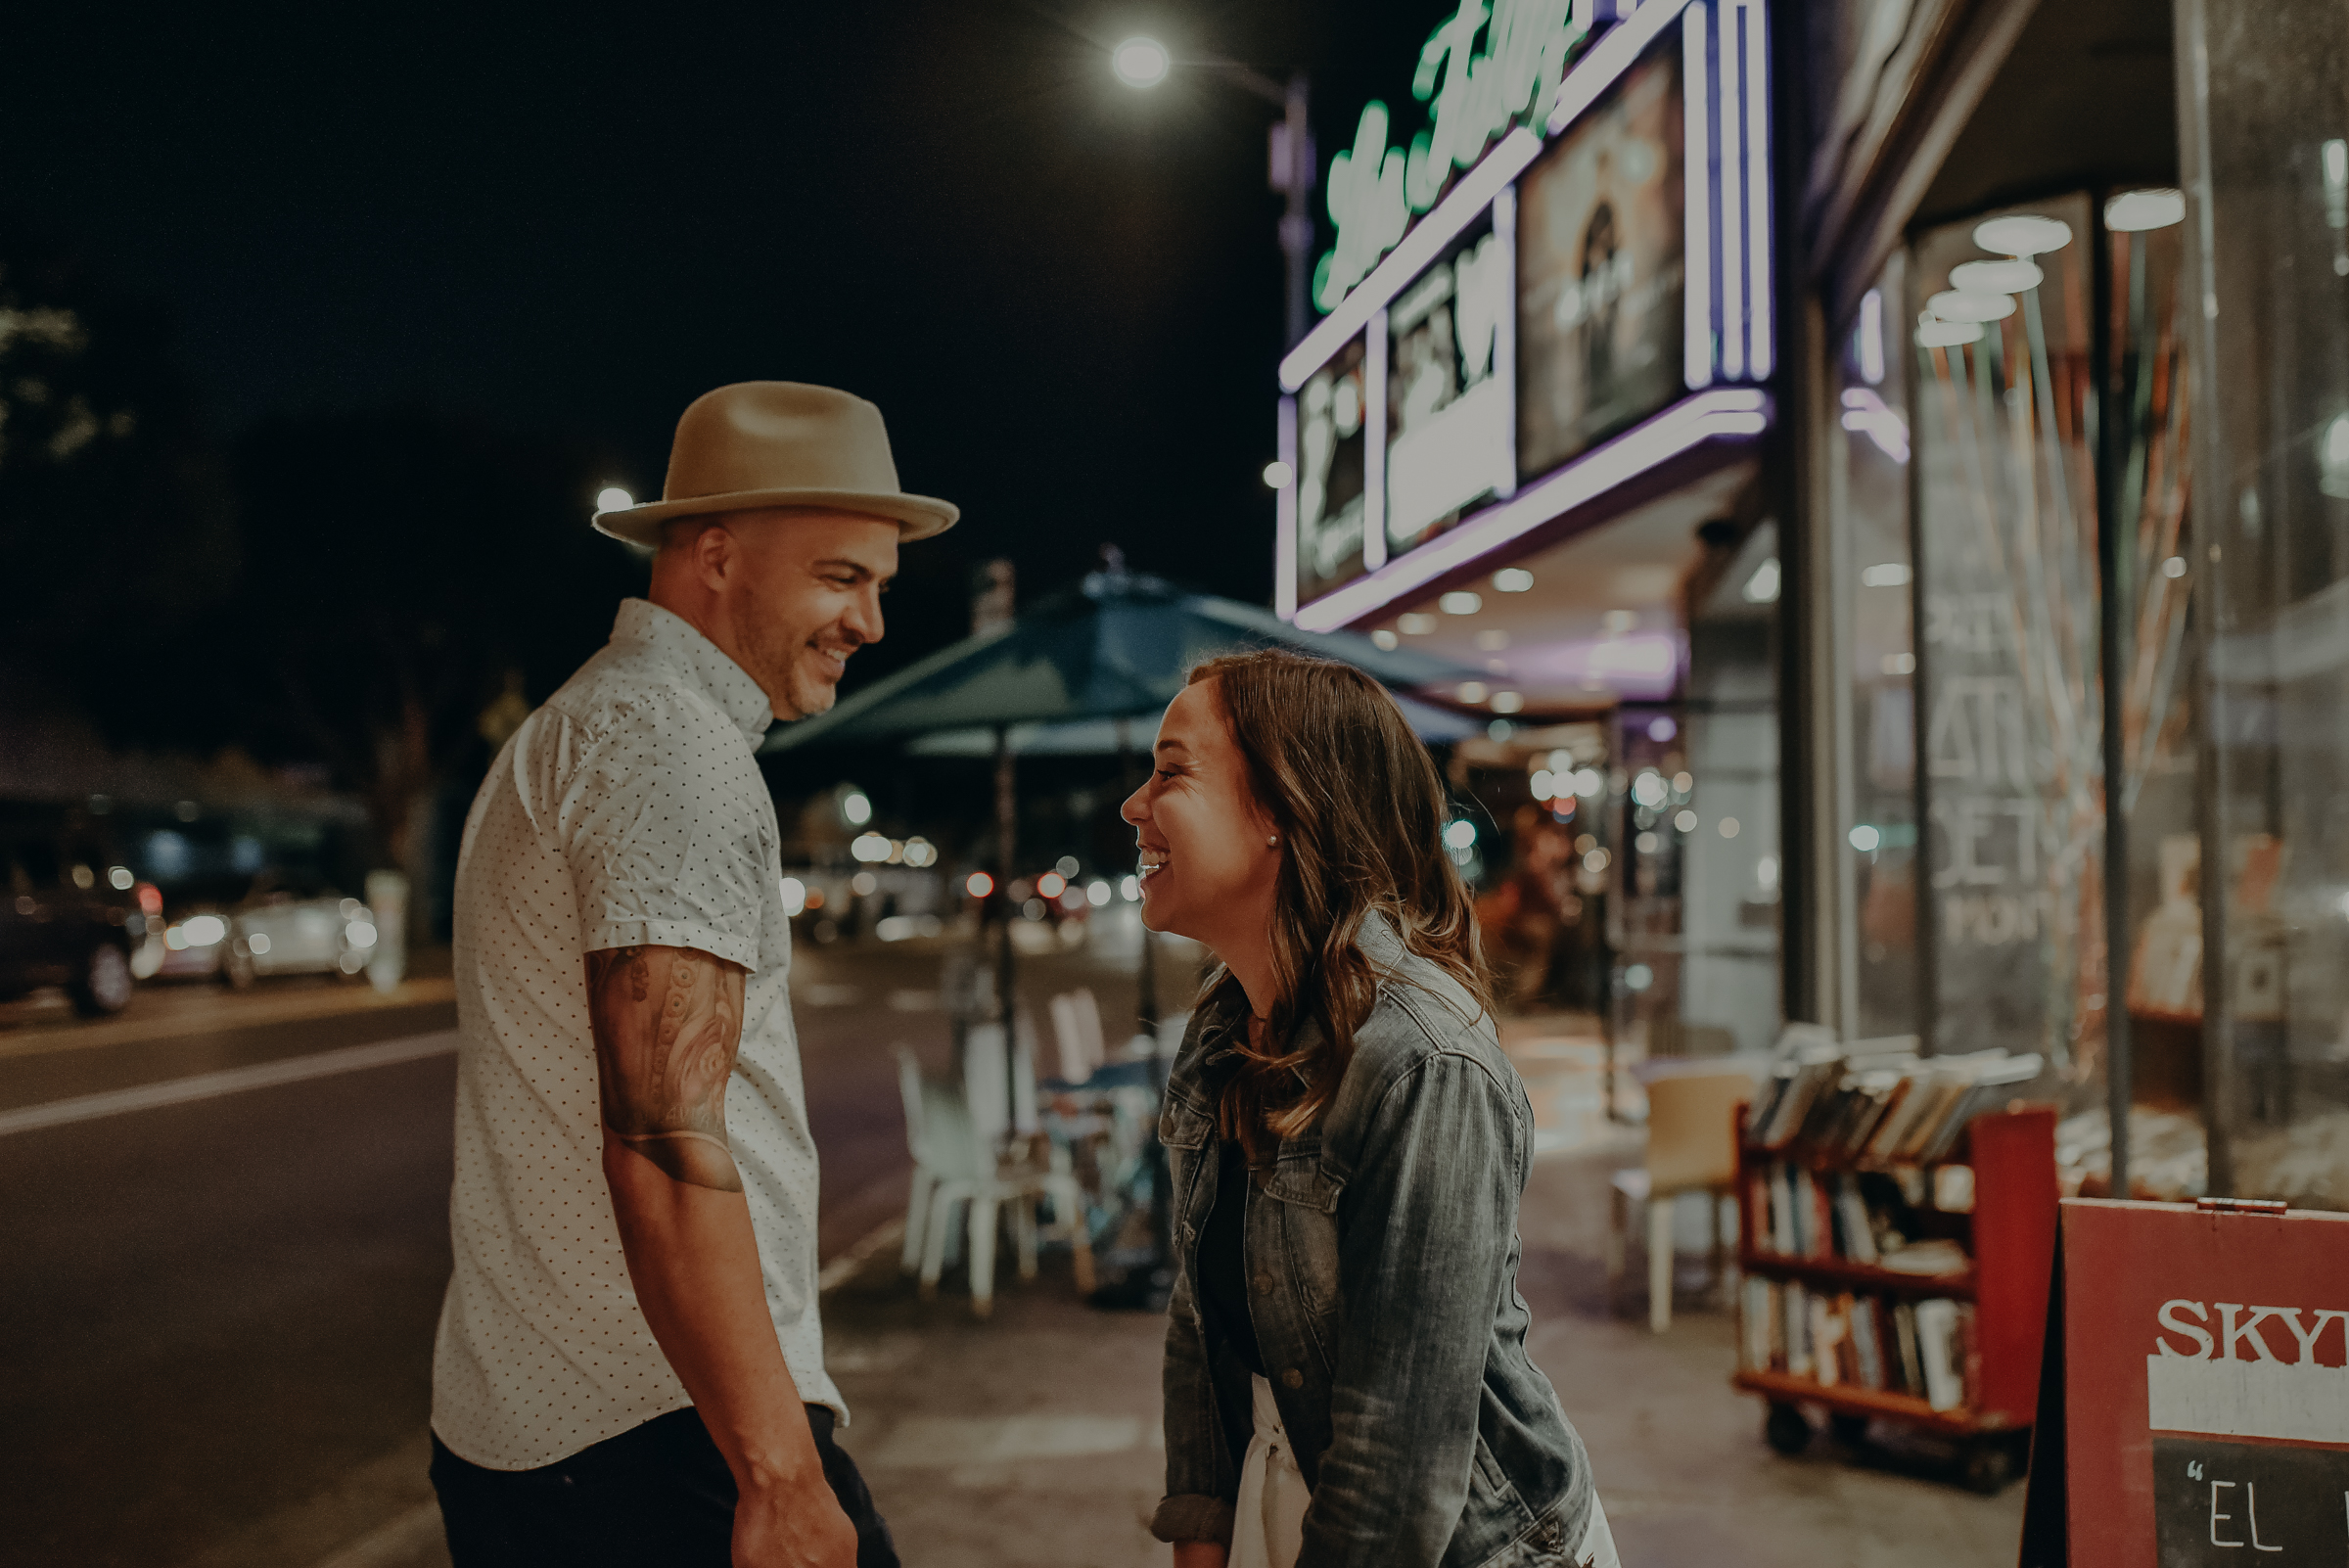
(2147, 406)
(1620, 806)
(1873, 431)
(1998, 331)
(2265, 142)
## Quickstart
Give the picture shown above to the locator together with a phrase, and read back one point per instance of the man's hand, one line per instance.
(793, 1527)
(668, 1022)
(1199, 1554)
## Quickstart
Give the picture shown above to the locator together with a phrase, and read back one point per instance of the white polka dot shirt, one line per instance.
(627, 810)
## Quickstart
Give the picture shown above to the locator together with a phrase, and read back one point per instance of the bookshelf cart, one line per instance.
(2009, 1239)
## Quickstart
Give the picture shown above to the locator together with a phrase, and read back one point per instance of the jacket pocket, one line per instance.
(1305, 1200)
(1298, 1177)
(1183, 1125)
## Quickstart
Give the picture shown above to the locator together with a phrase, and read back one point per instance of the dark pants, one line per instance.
(658, 1495)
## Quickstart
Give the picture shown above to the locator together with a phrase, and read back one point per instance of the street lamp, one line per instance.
(1140, 62)
(1144, 63)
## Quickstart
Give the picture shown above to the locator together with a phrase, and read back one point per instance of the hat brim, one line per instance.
(918, 517)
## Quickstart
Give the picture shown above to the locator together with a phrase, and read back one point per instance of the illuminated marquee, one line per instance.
(1474, 96)
(1576, 309)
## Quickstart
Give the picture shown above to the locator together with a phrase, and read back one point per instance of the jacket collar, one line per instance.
(698, 661)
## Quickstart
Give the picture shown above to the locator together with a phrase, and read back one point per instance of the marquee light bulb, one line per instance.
(1994, 277)
(1934, 334)
(2158, 207)
(2022, 234)
(1958, 305)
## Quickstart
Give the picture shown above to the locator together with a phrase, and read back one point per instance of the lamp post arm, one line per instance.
(1292, 174)
(1247, 77)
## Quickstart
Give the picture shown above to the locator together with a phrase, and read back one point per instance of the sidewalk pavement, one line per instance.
(1034, 1438)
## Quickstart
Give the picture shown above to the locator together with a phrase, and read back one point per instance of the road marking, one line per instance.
(403, 1541)
(232, 1081)
(293, 1005)
(934, 1442)
(888, 1233)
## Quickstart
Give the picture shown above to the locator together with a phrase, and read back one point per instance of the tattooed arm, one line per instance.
(668, 1022)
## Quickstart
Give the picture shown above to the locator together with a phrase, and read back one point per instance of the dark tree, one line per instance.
(114, 516)
(405, 572)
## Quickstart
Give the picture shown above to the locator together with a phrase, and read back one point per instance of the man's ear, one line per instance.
(716, 553)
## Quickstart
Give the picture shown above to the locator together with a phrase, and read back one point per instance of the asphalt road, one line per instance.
(218, 1314)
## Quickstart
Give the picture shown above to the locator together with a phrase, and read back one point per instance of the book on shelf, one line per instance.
(1861, 1217)
(1944, 1362)
(1911, 1362)
(1878, 1107)
(1925, 1350)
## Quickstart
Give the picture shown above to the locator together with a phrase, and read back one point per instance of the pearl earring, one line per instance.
(1274, 839)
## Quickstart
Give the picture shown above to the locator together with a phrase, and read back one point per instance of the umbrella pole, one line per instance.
(1147, 1286)
(1008, 826)
(1146, 978)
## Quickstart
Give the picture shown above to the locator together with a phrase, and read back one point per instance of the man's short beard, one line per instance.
(773, 649)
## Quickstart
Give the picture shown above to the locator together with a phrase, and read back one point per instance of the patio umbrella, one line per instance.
(1107, 737)
(1115, 647)
(1064, 678)
(1059, 678)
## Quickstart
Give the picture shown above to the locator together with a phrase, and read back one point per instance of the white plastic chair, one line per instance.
(1076, 1032)
(956, 1161)
(1692, 1148)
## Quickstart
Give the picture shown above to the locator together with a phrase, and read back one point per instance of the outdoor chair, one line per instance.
(1077, 1030)
(1692, 1148)
(962, 1158)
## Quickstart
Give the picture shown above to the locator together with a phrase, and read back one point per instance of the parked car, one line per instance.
(274, 930)
(72, 915)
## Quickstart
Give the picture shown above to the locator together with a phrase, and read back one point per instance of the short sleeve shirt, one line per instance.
(627, 811)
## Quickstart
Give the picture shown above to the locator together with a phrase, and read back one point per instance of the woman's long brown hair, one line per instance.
(1360, 812)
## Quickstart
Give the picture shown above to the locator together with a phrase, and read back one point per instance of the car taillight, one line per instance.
(151, 897)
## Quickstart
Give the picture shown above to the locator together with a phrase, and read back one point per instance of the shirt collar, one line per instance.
(725, 682)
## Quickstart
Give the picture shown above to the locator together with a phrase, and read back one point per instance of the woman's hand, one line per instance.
(1199, 1554)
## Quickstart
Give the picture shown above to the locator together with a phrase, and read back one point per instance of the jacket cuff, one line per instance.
(1193, 1518)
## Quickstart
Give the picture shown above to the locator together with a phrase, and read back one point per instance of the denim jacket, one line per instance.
(1381, 1259)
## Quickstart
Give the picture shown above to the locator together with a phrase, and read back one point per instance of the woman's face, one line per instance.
(1208, 871)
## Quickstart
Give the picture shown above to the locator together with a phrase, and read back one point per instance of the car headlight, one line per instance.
(201, 931)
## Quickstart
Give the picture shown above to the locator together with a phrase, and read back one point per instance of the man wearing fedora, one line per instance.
(629, 1367)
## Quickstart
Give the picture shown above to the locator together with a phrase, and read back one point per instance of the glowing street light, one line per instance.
(1140, 62)
(612, 498)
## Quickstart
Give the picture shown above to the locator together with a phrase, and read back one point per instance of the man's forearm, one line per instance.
(695, 1265)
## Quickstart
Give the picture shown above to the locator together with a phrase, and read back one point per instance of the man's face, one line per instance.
(805, 594)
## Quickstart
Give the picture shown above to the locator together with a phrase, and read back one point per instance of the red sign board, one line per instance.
(2195, 1409)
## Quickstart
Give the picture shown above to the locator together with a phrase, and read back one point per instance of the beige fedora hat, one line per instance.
(780, 443)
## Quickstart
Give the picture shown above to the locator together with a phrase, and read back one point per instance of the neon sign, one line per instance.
(1472, 98)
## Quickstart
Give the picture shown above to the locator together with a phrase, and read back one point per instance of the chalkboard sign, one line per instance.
(2213, 1501)
(2194, 1397)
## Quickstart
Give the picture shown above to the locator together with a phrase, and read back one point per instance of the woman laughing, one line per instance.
(1346, 1375)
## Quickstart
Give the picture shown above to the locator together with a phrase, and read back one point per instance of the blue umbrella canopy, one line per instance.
(1117, 647)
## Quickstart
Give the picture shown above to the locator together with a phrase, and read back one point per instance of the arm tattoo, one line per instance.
(668, 1022)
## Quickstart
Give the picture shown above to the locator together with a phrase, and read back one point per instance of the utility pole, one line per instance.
(1292, 173)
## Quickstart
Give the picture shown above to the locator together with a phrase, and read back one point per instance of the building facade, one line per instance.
(1886, 469)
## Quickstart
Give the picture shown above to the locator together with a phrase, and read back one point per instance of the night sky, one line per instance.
(1064, 295)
